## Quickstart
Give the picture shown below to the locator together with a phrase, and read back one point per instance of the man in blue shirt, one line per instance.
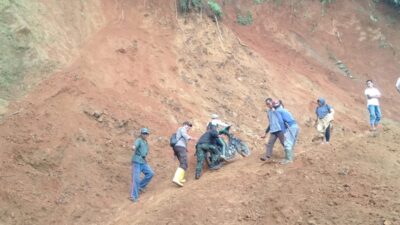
(276, 129)
(291, 132)
(139, 165)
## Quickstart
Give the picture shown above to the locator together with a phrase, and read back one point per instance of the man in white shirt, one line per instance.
(398, 84)
(216, 122)
(373, 96)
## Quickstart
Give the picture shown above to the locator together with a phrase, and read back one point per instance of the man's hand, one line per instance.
(133, 148)
(263, 136)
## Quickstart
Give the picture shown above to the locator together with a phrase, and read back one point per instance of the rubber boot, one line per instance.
(177, 177)
(182, 177)
(198, 175)
(288, 157)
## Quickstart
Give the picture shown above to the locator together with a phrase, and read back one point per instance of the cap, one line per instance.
(144, 130)
(214, 116)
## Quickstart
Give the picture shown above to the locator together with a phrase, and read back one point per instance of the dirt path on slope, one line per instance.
(353, 181)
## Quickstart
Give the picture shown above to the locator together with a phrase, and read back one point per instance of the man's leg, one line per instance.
(290, 140)
(135, 181)
(200, 160)
(328, 133)
(270, 145)
(181, 154)
(148, 175)
(377, 115)
(372, 116)
(215, 156)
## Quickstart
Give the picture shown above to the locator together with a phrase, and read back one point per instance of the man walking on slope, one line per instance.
(374, 110)
(291, 133)
(139, 165)
(276, 128)
(180, 151)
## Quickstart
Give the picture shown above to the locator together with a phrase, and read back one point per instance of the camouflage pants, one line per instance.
(201, 152)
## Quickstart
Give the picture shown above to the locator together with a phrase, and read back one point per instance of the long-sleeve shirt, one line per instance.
(182, 137)
(276, 123)
(209, 137)
(287, 117)
(141, 151)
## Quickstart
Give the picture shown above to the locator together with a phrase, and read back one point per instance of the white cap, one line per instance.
(214, 116)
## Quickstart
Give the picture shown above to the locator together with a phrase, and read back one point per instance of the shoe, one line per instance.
(177, 177)
(142, 190)
(133, 199)
(265, 158)
(197, 176)
(216, 167)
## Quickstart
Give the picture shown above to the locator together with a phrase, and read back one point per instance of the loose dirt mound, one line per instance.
(65, 155)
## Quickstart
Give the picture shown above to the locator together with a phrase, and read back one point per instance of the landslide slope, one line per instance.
(65, 147)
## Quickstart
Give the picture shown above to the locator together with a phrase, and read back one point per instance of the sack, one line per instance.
(173, 140)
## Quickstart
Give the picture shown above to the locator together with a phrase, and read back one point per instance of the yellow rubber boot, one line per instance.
(182, 177)
(177, 177)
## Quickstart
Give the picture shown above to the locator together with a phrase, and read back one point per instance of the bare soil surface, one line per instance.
(66, 146)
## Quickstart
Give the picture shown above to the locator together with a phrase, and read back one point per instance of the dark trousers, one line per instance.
(328, 133)
(201, 152)
(271, 142)
(181, 153)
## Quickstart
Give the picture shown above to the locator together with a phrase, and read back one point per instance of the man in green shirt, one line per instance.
(139, 165)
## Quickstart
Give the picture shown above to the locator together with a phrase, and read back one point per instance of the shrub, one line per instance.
(215, 8)
(245, 20)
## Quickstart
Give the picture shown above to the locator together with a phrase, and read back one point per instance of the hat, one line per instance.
(144, 130)
(214, 116)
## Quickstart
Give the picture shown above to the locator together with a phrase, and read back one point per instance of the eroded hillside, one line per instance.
(65, 147)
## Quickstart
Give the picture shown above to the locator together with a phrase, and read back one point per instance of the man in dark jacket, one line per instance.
(207, 143)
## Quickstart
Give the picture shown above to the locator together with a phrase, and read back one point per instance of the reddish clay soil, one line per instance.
(65, 147)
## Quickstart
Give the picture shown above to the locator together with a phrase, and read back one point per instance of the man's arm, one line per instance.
(398, 84)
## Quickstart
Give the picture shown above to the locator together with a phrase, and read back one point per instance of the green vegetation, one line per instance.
(245, 20)
(215, 8)
(257, 2)
(187, 5)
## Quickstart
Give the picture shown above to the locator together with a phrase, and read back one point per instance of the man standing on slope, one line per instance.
(276, 128)
(139, 165)
(374, 110)
(324, 119)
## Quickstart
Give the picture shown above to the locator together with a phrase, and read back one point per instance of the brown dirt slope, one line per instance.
(65, 147)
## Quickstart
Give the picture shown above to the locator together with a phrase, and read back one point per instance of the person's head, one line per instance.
(214, 116)
(268, 102)
(276, 104)
(144, 132)
(369, 83)
(321, 101)
(187, 124)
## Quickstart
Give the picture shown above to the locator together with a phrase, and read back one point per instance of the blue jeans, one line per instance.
(138, 184)
(374, 114)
